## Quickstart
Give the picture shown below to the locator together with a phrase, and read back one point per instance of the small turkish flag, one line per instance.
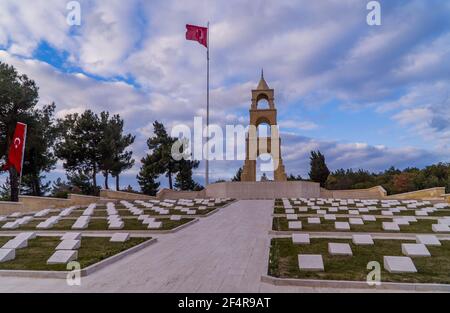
(17, 148)
(197, 33)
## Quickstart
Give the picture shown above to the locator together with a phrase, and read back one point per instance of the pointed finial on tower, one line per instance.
(262, 82)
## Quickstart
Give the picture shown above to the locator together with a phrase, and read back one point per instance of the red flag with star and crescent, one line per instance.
(197, 33)
(17, 148)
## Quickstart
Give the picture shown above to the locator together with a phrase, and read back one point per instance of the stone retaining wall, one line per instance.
(122, 195)
(32, 204)
(431, 193)
(263, 190)
(377, 192)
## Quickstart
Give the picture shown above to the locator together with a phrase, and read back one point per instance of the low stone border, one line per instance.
(380, 235)
(349, 237)
(174, 230)
(353, 284)
(84, 272)
(434, 218)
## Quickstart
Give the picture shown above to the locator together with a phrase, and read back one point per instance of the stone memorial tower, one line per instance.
(256, 145)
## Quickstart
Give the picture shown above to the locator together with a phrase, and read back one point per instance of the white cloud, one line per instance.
(299, 125)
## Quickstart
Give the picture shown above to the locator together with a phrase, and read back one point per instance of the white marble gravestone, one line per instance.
(342, 226)
(369, 218)
(26, 236)
(329, 217)
(302, 239)
(16, 243)
(440, 228)
(11, 225)
(388, 226)
(7, 255)
(362, 240)
(63, 257)
(154, 225)
(175, 218)
(291, 217)
(120, 237)
(339, 249)
(295, 225)
(310, 262)
(415, 250)
(69, 244)
(399, 264)
(314, 220)
(71, 236)
(356, 221)
(428, 240)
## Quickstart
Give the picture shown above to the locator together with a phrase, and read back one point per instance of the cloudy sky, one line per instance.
(367, 96)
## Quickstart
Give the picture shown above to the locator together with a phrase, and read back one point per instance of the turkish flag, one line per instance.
(197, 33)
(17, 148)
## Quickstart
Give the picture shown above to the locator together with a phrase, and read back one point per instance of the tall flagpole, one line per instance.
(207, 110)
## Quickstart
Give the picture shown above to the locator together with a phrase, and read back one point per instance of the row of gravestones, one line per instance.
(356, 211)
(411, 204)
(393, 264)
(442, 226)
(66, 251)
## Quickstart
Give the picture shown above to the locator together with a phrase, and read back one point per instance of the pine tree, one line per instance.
(292, 177)
(79, 147)
(5, 191)
(114, 157)
(183, 180)
(159, 161)
(319, 171)
(18, 98)
(148, 175)
(39, 156)
(61, 189)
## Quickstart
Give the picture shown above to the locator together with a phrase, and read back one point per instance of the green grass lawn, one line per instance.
(422, 226)
(39, 250)
(283, 261)
(102, 224)
(4, 240)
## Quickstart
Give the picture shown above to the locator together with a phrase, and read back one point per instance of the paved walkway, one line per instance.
(225, 252)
